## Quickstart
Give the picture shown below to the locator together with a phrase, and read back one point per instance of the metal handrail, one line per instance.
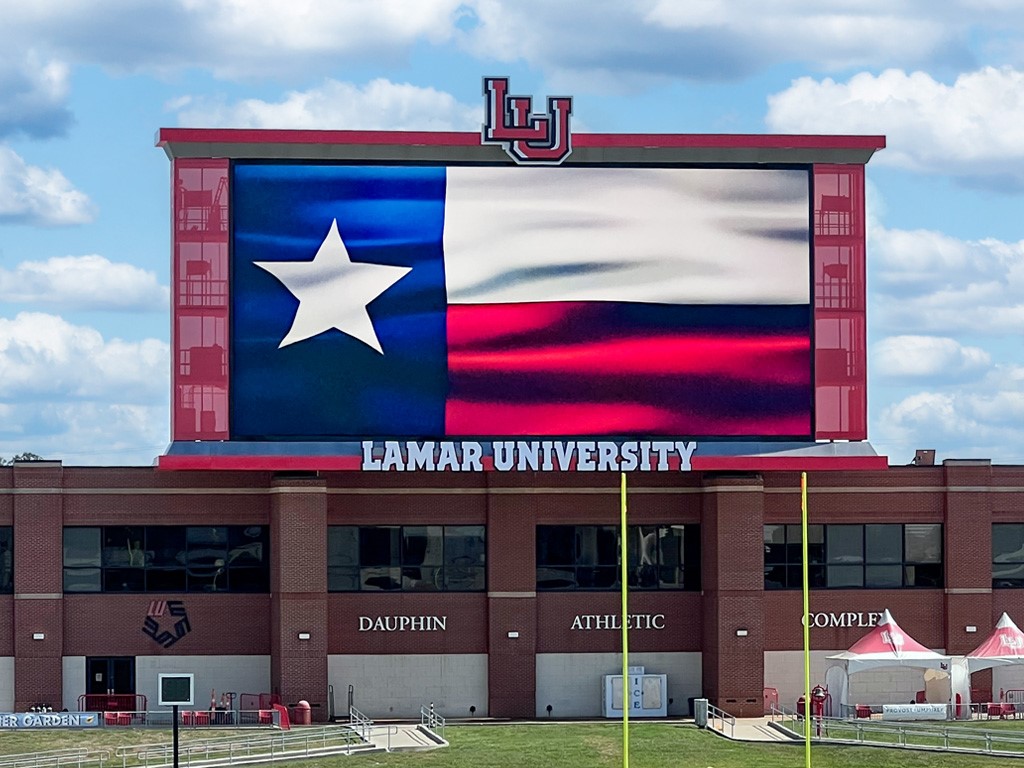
(881, 733)
(432, 721)
(245, 749)
(714, 713)
(359, 723)
(76, 756)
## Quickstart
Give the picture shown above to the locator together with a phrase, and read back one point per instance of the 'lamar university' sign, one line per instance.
(523, 455)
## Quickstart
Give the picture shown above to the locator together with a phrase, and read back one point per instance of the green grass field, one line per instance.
(554, 745)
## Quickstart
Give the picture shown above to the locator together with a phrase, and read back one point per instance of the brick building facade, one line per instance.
(512, 644)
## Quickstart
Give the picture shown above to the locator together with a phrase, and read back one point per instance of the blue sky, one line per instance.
(84, 194)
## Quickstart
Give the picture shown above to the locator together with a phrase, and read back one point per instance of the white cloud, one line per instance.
(67, 393)
(927, 357)
(379, 105)
(972, 130)
(83, 282)
(233, 38)
(923, 281)
(983, 421)
(33, 195)
(89, 433)
(608, 43)
(33, 96)
(44, 358)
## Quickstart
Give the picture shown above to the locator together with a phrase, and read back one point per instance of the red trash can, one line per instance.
(800, 706)
(301, 714)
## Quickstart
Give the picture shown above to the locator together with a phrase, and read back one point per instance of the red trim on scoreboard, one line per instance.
(458, 139)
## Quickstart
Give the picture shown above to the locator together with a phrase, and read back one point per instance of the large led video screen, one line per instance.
(484, 301)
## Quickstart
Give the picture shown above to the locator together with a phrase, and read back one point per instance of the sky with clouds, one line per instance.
(84, 194)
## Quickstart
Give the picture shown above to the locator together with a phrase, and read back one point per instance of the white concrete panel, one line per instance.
(73, 680)
(1008, 678)
(397, 686)
(222, 674)
(784, 670)
(573, 683)
(6, 683)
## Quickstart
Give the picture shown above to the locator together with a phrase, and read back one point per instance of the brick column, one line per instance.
(298, 543)
(38, 584)
(511, 606)
(967, 531)
(732, 574)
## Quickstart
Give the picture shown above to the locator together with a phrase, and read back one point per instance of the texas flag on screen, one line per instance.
(426, 301)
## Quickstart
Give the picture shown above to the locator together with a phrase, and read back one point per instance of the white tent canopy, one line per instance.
(886, 645)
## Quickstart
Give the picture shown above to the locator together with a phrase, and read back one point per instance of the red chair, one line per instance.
(110, 718)
(863, 710)
(188, 718)
(995, 710)
(1007, 709)
(202, 718)
(266, 717)
(124, 718)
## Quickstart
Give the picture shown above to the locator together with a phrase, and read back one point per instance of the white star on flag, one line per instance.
(333, 291)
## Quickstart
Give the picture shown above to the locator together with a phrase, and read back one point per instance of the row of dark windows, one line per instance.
(167, 558)
(6, 559)
(588, 557)
(453, 558)
(406, 558)
(843, 556)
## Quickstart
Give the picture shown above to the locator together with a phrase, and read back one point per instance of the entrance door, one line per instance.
(110, 675)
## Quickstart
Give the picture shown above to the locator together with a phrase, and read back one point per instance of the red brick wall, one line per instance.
(38, 584)
(298, 583)
(512, 604)
(465, 619)
(680, 612)
(111, 625)
(731, 511)
(968, 553)
(732, 542)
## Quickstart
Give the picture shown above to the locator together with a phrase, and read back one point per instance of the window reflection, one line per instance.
(413, 558)
(872, 556)
(1007, 555)
(586, 557)
(166, 559)
(6, 559)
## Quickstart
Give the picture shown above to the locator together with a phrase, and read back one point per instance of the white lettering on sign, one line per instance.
(526, 455)
(402, 623)
(848, 620)
(49, 720)
(592, 621)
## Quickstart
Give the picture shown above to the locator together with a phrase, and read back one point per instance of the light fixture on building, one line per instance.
(303, 635)
(970, 629)
(38, 636)
(741, 633)
(513, 635)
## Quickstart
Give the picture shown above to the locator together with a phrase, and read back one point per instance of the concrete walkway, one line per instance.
(748, 729)
(402, 738)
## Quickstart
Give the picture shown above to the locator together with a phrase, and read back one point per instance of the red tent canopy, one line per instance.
(1004, 646)
(888, 645)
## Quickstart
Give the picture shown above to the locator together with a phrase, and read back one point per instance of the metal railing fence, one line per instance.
(963, 737)
(432, 721)
(723, 719)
